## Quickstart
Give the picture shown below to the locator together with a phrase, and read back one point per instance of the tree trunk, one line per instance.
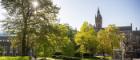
(14, 52)
(112, 50)
(24, 30)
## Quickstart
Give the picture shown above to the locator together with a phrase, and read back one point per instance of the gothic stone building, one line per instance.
(131, 45)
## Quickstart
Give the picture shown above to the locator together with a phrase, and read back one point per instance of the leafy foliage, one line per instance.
(105, 44)
(110, 39)
(28, 26)
(37, 30)
(66, 41)
(86, 39)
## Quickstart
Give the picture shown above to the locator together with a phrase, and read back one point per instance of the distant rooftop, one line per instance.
(124, 28)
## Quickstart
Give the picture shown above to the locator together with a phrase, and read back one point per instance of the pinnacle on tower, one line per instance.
(98, 20)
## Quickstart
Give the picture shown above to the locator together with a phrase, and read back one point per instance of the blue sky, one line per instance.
(119, 12)
(75, 12)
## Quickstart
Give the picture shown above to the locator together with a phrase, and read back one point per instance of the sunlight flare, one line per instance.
(35, 4)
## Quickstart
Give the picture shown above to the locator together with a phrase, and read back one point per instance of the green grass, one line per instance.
(88, 59)
(100, 58)
(107, 57)
(14, 58)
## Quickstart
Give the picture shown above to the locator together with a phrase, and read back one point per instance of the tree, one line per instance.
(22, 18)
(86, 39)
(104, 46)
(14, 44)
(71, 32)
(1, 50)
(110, 39)
(114, 35)
(68, 47)
(56, 40)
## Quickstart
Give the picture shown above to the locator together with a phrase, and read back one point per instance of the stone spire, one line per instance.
(98, 20)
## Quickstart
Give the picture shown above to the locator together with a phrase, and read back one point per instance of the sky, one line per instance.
(118, 12)
(75, 12)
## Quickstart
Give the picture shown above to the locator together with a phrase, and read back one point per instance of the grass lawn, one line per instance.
(98, 58)
(108, 57)
(88, 59)
(14, 58)
(94, 59)
(28, 58)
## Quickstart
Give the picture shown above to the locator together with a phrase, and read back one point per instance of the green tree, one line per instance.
(47, 40)
(68, 47)
(58, 41)
(114, 35)
(104, 46)
(110, 39)
(1, 50)
(25, 19)
(86, 39)
(14, 44)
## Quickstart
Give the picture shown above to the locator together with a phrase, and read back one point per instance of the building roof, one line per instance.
(125, 28)
(136, 32)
